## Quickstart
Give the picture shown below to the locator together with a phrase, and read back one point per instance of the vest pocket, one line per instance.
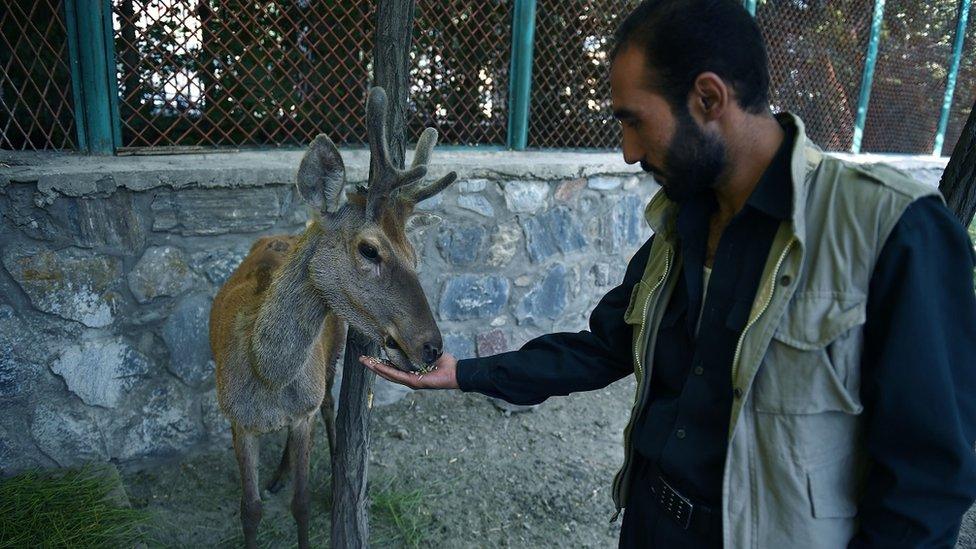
(812, 364)
(833, 489)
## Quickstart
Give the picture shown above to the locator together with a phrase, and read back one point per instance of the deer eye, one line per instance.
(368, 251)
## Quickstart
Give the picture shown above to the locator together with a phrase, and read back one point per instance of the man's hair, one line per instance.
(683, 38)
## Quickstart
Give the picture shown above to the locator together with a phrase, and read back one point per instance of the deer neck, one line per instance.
(289, 321)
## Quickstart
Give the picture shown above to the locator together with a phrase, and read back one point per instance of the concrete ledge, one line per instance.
(77, 175)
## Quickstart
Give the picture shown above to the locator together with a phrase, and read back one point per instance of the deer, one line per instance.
(279, 322)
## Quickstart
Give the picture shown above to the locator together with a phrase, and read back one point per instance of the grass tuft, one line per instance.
(401, 516)
(69, 508)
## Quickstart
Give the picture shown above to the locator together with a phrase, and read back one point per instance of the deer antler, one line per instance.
(384, 178)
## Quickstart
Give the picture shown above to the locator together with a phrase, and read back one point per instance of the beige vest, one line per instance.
(795, 461)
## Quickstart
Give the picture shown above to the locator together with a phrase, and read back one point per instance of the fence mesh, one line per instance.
(816, 58)
(570, 77)
(910, 76)
(36, 109)
(221, 72)
(965, 96)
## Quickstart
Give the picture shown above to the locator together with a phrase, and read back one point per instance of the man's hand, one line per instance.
(442, 376)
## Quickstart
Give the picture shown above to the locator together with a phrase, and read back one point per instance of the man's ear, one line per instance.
(710, 97)
(321, 175)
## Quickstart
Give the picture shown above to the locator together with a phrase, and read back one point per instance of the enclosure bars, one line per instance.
(960, 37)
(868, 76)
(750, 7)
(520, 79)
(91, 53)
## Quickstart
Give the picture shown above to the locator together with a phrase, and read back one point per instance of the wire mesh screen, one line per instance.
(965, 96)
(816, 58)
(910, 76)
(459, 75)
(570, 81)
(36, 109)
(278, 72)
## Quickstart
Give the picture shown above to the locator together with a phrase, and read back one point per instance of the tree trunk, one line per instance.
(958, 183)
(350, 524)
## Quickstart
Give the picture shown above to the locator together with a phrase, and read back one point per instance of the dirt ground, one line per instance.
(446, 470)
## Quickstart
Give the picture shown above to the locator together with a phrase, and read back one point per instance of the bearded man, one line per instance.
(802, 329)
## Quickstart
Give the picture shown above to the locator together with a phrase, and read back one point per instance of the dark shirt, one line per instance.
(918, 385)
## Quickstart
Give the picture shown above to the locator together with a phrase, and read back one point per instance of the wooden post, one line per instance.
(958, 184)
(350, 522)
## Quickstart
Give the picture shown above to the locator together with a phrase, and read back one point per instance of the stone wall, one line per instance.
(110, 265)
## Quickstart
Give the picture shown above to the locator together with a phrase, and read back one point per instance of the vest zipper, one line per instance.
(640, 370)
(769, 299)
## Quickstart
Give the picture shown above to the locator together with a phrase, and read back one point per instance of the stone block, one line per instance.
(601, 274)
(555, 231)
(472, 185)
(526, 196)
(216, 211)
(164, 422)
(101, 371)
(476, 203)
(186, 333)
(71, 283)
(461, 244)
(162, 271)
(504, 244)
(473, 296)
(568, 189)
(111, 222)
(547, 299)
(458, 344)
(492, 343)
(217, 265)
(65, 434)
(431, 203)
(625, 224)
(604, 183)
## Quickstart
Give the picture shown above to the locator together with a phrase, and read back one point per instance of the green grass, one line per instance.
(399, 517)
(69, 508)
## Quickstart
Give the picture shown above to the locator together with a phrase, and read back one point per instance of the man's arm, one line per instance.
(919, 384)
(550, 365)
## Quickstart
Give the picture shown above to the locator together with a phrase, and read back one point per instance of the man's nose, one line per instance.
(632, 152)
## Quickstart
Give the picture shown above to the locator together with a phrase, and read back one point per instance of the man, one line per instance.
(802, 330)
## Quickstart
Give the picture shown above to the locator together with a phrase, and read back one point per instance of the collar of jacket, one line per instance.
(662, 214)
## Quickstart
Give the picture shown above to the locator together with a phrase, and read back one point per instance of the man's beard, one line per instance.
(693, 161)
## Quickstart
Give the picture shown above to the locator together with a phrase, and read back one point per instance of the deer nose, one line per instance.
(431, 352)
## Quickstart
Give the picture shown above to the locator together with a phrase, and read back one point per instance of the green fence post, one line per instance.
(868, 77)
(751, 7)
(520, 78)
(92, 61)
(951, 78)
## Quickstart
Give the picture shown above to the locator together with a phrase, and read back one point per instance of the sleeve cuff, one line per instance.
(473, 374)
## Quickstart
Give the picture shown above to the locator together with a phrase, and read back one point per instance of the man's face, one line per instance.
(669, 143)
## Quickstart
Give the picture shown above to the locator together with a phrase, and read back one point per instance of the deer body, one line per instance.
(278, 323)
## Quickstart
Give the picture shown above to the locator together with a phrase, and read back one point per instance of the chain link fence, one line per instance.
(198, 74)
(36, 109)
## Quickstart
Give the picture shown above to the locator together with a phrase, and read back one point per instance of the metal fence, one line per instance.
(865, 75)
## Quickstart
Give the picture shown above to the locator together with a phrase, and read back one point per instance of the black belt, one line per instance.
(687, 514)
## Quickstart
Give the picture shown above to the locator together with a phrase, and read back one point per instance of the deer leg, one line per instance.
(300, 445)
(280, 477)
(246, 448)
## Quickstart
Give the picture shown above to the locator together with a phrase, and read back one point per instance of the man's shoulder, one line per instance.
(877, 178)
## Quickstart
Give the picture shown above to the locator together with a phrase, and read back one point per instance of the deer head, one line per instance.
(364, 266)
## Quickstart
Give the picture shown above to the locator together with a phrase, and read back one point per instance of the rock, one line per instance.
(101, 371)
(460, 244)
(217, 264)
(472, 185)
(112, 222)
(162, 271)
(601, 274)
(459, 345)
(492, 343)
(216, 211)
(165, 423)
(631, 182)
(473, 296)
(604, 183)
(186, 333)
(400, 433)
(504, 244)
(625, 224)
(65, 434)
(498, 321)
(510, 408)
(568, 189)
(215, 425)
(526, 196)
(547, 299)
(70, 283)
(523, 281)
(386, 392)
(552, 232)
(476, 203)
(431, 203)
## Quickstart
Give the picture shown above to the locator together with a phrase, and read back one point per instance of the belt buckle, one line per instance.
(676, 505)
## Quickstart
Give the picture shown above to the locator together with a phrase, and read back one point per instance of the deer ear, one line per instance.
(321, 175)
